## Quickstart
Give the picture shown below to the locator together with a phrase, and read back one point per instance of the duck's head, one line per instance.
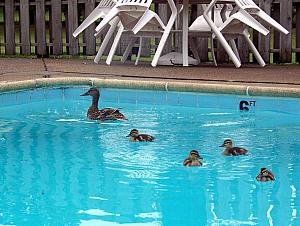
(194, 155)
(264, 172)
(94, 92)
(227, 143)
(133, 133)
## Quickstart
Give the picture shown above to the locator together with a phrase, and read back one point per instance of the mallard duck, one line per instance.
(265, 175)
(104, 114)
(193, 159)
(135, 136)
(229, 150)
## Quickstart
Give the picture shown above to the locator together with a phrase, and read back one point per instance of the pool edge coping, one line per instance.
(204, 87)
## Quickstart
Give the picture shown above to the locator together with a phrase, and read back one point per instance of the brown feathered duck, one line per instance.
(229, 150)
(265, 175)
(193, 159)
(135, 136)
(104, 114)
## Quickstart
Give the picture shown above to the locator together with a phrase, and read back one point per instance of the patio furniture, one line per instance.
(139, 21)
(99, 12)
(231, 24)
(236, 24)
(244, 5)
(250, 7)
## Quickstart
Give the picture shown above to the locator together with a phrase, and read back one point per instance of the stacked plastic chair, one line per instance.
(227, 24)
(231, 25)
(254, 10)
(100, 12)
(138, 21)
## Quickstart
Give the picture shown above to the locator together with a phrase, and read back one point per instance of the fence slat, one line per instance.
(298, 30)
(56, 24)
(24, 21)
(202, 43)
(89, 32)
(286, 9)
(40, 28)
(72, 25)
(9, 27)
(277, 45)
(264, 41)
(276, 35)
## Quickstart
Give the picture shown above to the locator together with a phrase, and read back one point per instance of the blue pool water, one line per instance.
(58, 168)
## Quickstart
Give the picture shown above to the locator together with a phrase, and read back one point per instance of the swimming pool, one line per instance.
(58, 168)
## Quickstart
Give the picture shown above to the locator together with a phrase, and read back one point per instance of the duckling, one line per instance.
(104, 114)
(193, 159)
(229, 150)
(136, 137)
(265, 175)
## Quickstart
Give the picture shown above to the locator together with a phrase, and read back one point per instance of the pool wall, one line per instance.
(247, 90)
(154, 97)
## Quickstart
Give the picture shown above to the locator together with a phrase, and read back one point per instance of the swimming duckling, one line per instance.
(229, 150)
(136, 137)
(193, 159)
(265, 175)
(104, 114)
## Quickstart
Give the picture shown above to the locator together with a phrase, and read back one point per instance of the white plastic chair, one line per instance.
(250, 7)
(99, 12)
(139, 21)
(228, 27)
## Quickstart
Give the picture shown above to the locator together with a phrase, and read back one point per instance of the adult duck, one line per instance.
(135, 136)
(229, 150)
(265, 175)
(193, 159)
(104, 114)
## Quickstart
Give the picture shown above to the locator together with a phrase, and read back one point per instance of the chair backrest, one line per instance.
(246, 2)
(247, 5)
(221, 12)
(136, 3)
(107, 3)
(131, 11)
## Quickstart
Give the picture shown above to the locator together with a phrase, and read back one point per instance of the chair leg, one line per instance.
(193, 47)
(223, 41)
(213, 52)
(114, 45)
(94, 15)
(234, 48)
(128, 49)
(139, 52)
(106, 40)
(253, 48)
(163, 40)
(264, 16)
(148, 15)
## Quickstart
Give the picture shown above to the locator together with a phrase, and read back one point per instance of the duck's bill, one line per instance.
(222, 145)
(128, 135)
(84, 94)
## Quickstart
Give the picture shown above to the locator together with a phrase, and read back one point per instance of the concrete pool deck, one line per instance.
(277, 80)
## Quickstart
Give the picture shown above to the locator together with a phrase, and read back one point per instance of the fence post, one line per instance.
(56, 24)
(90, 40)
(276, 35)
(24, 21)
(286, 9)
(202, 43)
(10, 47)
(264, 41)
(72, 25)
(40, 28)
(298, 32)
